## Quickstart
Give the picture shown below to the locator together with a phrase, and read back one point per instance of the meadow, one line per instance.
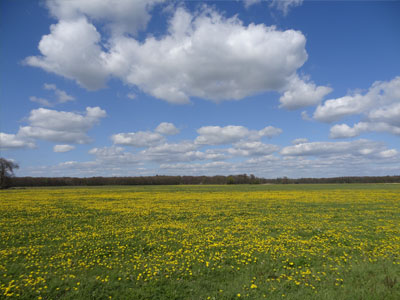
(201, 242)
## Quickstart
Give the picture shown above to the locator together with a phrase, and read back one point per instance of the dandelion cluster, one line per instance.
(199, 242)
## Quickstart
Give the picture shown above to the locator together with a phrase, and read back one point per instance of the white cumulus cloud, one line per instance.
(72, 50)
(167, 128)
(346, 131)
(379, 108)
(61, 126)
(138, 139)
(299, 141)
(359, 147)
(203, 54)
(269, 131)
(216, 135)
(13, 141)
(123, 16)
(380, 95)
(253, 148)
(300, 93)
(206, 55)
(176, 152)
(389, 114)
(142, 139)
(388, 153)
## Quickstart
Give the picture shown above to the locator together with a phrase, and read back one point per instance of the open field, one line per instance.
(201, 242)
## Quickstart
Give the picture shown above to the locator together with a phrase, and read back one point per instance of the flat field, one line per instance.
(201, 242)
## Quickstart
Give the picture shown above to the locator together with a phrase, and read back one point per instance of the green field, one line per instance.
(201, 242)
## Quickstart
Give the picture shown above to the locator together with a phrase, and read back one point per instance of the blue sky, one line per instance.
(272, 88)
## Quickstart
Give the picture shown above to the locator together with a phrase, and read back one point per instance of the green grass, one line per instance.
(201, 242)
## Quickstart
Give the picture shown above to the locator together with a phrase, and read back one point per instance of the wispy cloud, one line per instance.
(60, 96)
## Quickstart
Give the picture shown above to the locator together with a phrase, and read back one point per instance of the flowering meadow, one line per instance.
(201, 242)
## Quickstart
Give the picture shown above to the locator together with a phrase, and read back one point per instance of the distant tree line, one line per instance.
(344, 179)
(178, 180)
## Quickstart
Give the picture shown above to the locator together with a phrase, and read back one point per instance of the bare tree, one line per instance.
(6, 171)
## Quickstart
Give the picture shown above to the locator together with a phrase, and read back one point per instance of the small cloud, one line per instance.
(167, 129)
(299, 141)
(131, 96)
(255, 148)
(363, 147)
(301, 93)
(248, 3)
(345, 131)
(305, 116)
(285, 5)
(138, 139)
(388, 153)
(63, 148)
(61, 126)
(14, 141)
(216, 135)
(270, 131)
(61, 95)
(41, 101)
